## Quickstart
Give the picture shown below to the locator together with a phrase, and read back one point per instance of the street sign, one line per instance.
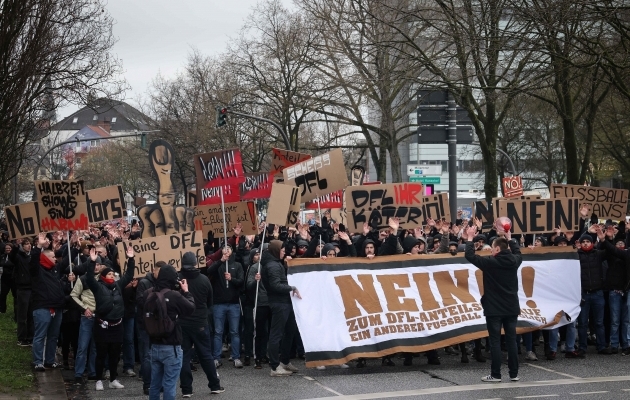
(424, 169)
(425, 179)
(437, 134)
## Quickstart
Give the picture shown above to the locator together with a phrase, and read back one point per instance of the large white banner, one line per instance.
(355, 307)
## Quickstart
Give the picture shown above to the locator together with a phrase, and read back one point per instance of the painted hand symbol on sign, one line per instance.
(164, 217)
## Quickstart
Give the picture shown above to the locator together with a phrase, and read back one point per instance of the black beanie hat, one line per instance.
(189, 260)
(106, 271)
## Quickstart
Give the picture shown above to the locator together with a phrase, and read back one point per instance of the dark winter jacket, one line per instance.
(200, 287)
(21, 271)
(110, 304)
(6, 264)
(148, 282)
(617, 275)
(251, 287)
(273, 277)
(389, 246)
(226, 292)
(48, 290)
(500, 279)
(591, 269)
(179, 304)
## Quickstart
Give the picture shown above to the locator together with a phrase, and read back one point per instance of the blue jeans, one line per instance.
(46, 330)
(594, 300)
(129, 355)
(166, 362)
(198, 336)
(618, 319)
(233, 314)
(570, 340)
(86, 340)
(144, 352)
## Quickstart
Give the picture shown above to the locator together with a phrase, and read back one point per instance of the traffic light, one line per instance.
(221, 116)
(143, 140)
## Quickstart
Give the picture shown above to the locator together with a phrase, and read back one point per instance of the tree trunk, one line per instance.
(570, 146)
(394, 157)
(381, 166)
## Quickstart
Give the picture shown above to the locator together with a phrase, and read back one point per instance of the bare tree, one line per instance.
(53, 51)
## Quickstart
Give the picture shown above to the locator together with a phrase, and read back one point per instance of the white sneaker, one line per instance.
(490, 378)
(115, 385)
(563, 348)
(344, 366)
(320, 368)
(531, 356)
(280, 372)
(130, 373)
(515, 379)
(99, 385)
(289, 367)
(106, 374)
(225, 347)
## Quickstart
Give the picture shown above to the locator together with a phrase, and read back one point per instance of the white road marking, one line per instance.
(308, 378)
(555, 372)
(537, 396)
(577, 394)
(484, 386)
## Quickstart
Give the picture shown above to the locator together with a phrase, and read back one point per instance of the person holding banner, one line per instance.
(500, 299)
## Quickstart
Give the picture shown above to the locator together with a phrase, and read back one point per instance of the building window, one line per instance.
(75, 119)
(113, 120)
(78, 148)
(94, 143)
(95, 117)
(78, 161)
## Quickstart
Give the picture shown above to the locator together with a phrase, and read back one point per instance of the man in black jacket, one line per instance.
(195, 329)
(21, 258)
(227, 279)
(166, 353)
(48, 301)
(500, 299)
(283, 326)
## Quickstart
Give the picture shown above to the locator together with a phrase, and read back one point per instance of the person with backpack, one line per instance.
(161, 307)
(110, 309)
(195, 330)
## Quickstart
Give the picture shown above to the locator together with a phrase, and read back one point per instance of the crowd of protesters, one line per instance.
(70, 293)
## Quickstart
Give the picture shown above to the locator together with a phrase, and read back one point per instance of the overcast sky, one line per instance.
(156, 36)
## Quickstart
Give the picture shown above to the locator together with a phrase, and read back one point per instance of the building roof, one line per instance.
(119, 114)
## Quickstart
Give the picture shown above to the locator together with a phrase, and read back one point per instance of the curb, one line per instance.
(51, 385)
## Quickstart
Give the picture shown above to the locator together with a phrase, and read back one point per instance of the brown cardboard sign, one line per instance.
(22, 220)
(488, 214)
(605, 202)
(167, 248)
(139, 201)
(105, 204)
(62, 205)
(542, 215)
(210, 218)
(318, 176)
(376, 204)
(284, 205)
(436, 207)
(284, 158)
(512, 186)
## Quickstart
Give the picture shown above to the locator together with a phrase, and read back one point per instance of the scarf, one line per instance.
(46, 262)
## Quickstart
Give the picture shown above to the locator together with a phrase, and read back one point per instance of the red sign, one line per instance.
(512, 186)
(257, 185)
(332, 200)
(219, 168)
(284, 158)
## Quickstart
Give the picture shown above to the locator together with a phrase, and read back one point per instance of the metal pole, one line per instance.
(451, 117)
(262, 246)
(287, 144)
(509, 159)
(225, 244)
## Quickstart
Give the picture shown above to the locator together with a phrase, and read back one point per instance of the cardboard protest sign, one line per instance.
(487, 214)
(357, 174)
(218, 168)
(606, 202)
(318, 176)
(375, 204)
(62, 205)
(331, 200)
(139, 201)
(257, 185)
(231, 194)
(210, 218)
(512, 186)
(436, 207)
(374, 308)
(167, 248)
(106, 203)
(164, 217)
(285, 158)
(542, 215)
(284, 205)
(23, 220)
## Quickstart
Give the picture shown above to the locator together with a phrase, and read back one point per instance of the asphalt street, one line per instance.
(596, 377)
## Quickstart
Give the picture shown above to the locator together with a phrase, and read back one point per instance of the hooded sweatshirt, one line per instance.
(274, 276)
(226, 292)
(251, 284)
(179, 304)
(201, 289)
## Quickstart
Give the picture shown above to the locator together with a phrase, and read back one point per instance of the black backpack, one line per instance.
(157, 323)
